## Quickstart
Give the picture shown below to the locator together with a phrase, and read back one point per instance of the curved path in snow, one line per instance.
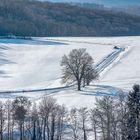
(109, 59)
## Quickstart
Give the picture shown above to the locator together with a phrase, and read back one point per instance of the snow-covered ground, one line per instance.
(28, 65)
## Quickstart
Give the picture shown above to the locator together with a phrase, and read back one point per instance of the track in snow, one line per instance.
(100, 67)
(109, 59)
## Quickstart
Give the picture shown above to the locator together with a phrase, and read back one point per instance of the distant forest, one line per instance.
(34, 18)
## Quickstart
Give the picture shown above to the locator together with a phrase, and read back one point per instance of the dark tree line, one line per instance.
(34, 18)
(112, 118)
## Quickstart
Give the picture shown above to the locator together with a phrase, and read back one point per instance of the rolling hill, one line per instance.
(34, 18)
(31, 68)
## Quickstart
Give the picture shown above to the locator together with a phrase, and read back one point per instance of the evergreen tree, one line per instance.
(133, 124)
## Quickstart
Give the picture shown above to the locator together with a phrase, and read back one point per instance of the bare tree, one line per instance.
(20, 108)
(46, 107)
(133, 103)
(8, 108)
(75, 66)
(121, 113)
(53, 121)
(89, 75)
(34, 116)
(61, 115)
(94, 122)
(112, 118)
(105, 107)
(2, 120)
(83, 114)
(73, 122)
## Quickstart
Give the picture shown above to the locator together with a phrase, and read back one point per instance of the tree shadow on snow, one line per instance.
(101, 90)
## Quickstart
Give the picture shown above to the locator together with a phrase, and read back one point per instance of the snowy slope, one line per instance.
(36, 64)
(27, 65)
(126, 72)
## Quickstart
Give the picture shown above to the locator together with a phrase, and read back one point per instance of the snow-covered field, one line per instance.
(35, 64)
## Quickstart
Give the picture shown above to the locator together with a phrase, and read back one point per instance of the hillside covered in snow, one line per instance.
(32, 68)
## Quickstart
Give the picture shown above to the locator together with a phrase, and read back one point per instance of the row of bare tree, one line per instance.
(112, 118)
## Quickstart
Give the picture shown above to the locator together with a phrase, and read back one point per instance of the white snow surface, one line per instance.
(35, 64)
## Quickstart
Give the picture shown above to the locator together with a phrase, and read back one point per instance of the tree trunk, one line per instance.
(138, 125)
(79, 85)
(58, 129)
(12, 130)
(84, 130)
(39, 130)
(48, 130)
(74, 135)
(21, 132)
(44, 130)
(34, 130)
(8, 123)
(1, 126)
(95, 133)
(85, 136)
(108, 128)
(84, 82)
(102, 128)
(52, 128)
